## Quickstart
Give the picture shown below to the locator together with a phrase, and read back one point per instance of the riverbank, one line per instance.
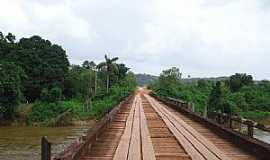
(265, 121)
(64, 112)
(23, 142)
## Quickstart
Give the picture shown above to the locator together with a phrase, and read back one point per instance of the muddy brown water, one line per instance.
(261, 135)
(23, 143)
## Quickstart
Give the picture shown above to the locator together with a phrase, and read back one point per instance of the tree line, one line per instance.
(34, 69)
(237, 94)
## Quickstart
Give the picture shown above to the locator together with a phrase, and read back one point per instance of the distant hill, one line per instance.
(145, 79)
(195, 80)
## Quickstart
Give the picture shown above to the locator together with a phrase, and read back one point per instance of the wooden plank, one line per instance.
(121, 152)
(189, 148)
(135, 143)
(45, 149)
(147, 146)
(195, 136)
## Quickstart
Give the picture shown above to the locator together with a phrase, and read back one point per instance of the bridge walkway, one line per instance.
(223, 143)
(146, 129)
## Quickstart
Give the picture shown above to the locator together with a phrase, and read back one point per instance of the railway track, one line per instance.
(145, 129)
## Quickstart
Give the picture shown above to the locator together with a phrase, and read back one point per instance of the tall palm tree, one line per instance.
(110, 66)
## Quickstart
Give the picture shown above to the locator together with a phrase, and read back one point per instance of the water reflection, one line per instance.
(23, 143)
(262, 135)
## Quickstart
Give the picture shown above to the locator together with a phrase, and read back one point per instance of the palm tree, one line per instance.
(110, 66)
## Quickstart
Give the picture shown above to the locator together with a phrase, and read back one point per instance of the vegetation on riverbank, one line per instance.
(33, 70)
(238, 94)
(45, 112)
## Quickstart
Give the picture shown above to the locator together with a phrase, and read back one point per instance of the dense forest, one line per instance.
(36, 73)
(238, 94)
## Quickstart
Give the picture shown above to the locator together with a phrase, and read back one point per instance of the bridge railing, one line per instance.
(236, 123)
(225, 126)
(239, 124)
(82, 144)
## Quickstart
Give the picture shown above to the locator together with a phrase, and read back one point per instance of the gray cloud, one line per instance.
(202, 37)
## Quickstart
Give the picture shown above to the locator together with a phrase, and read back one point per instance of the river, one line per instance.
(261, 135)
(23, 143)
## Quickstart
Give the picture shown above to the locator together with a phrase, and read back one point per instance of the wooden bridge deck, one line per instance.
(146, 129)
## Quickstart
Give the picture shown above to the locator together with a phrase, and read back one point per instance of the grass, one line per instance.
(255, 115)
(43, 113)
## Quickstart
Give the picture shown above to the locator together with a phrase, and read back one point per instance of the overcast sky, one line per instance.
(202, 37)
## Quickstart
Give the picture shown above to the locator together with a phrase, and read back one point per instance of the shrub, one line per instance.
(255, 115)
(45, 95)
(46, 111)
(55, 94)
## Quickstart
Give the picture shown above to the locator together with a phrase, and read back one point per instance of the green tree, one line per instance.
(1, 36)
(89, 65)
(122, 71)
(264, 83)
(10, 37)
(45, 95)
(215, 98)
(202, 83)
(79, 82)
(11, 77)
(44, 63)
(55, 94)
(169, 83)
(72, 81)
(172, 73)
(110, 68)
(237, 81)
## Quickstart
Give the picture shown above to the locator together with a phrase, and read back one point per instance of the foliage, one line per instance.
(215, 98)
(80, 83)
(89, 65)
(145, 79)
(237, 81)
(55, 94)
(45, 111)
(117, 94)
(172, 73)
(256, 115)
(11, 77)
(110, 67)
(35, 70)
(45, 64)
(168, 83)
(45, 95)
(238, 95)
